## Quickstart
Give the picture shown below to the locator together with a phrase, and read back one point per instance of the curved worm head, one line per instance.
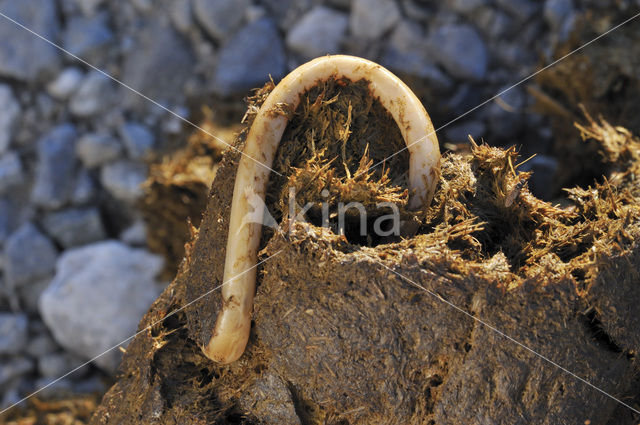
(231, 332)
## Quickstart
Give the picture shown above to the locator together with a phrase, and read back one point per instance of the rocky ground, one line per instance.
(76, 273)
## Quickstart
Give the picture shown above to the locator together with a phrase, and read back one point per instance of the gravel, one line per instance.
(13, 333)
(28, 255)
(220, 18)
(138, 139)
(123, 179)
(65, 84)
(97, 297)
(10, 112)
(56, 167)
(248, 59)
(95, 149)
(74, 227)
(446, 43)
(370, 19)
(11, 173)
(319, 32)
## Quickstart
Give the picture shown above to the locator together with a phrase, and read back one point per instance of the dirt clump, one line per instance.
(347, 331)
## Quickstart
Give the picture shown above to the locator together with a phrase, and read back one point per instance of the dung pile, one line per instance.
(352, 332)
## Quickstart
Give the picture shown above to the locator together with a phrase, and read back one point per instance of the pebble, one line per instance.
(54, 365)
(220, 18)
(459, 133)
(93, 95)
(84, 190)
(55, 170)
(41, 345)
(11, 173)
(98, 296)
(136, 234)
(74, 227)
(10, 113)
(123, 179)
(13, 368)
(138, 139)
(318, 32)
(65, 84)
(248, 59)
(87, 36)
(466, 7)
(460, 50)
(28, 256)
(521, 9)
(159, 64)
(95, 149)
(406, 54)
(88, 7)
(506, 115)
(180, 12)
(13, 333)
(370, 19)
(34, 57)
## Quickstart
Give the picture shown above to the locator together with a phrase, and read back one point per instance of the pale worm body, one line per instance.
(231, 331)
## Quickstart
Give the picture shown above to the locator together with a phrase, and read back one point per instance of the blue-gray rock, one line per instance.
(557, 13)
(248, 59)
(85, 36)
(460, 50)
(319, 32)
(542, 180)
(180, 12)
(13, 333)
(158, 64)
(493, 23)
(10, 112)
(88, 7)
(506, 113)
(55, 365)
(136, 234)
(74, 227)
(521, 9)
(41, 345)
(28, 256)
(123, 179)
(286, 12)
(56, 167)
(93, 96)
(95, 149)
(220, 18)
(406, 54)
(65, 84)
(370, 19)
(97, 298)
(137, 138)
(84, 190)
(24, 56)
(10, 171)
(13, 369)
(459, 133)
(466, 7)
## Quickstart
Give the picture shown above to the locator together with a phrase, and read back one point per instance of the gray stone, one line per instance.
(180, 14)
(95, 149)
(521, 9)
(93, 96)
(158, 64)
(123, 179)
(248, 59)
(406, 54)
(506, 113)
(65, 84)
(137, 138)
(22, 55)
(30, 294)
(459, 133)
(460, 50)
(74, 227)
(287, 12)
(56, 167)
(556, 12)
(41, 345)
(542, 180)
(10, 171)
(85, 36)
(319, 32)
(493, 23)
(88, 7)
(220, 18)
(13, 369)
(370, 19)
(84, 190)
(54, 365)
(97, 298)
(136, 234)
(53, 387)
(466, 7)
(28, 256)
(13, 333)
(10, 112)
